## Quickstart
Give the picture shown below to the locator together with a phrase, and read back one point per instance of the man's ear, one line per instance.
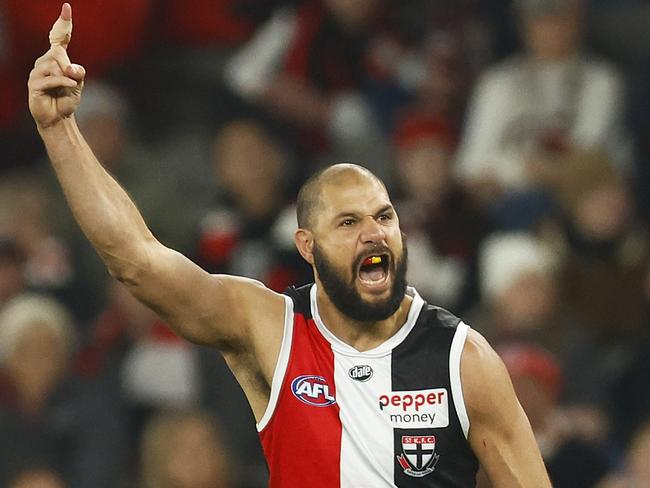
(304, 240)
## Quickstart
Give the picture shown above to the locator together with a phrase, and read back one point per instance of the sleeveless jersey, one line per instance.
(392, 416)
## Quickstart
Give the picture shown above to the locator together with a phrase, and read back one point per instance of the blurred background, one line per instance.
(512, 134)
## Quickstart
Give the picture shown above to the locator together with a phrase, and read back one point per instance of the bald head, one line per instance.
(310, 194)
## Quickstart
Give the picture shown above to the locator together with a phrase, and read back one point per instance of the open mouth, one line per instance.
(373, 269)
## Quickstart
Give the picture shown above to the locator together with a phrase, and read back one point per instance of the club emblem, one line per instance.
(418, 456)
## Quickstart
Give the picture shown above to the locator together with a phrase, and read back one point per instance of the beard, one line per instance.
(345, 296)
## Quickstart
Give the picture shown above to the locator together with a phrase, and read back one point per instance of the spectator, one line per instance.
(607, 250)
(518, 276)
(443, 224)
(306, 66)
(26, 217)
(136, 358)
(539, 104)
(47, 416)
(183, 450)
(249, 231)
(537, 378)
(520, 288)
(427, 59)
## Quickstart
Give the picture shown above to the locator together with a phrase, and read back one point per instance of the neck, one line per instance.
(362, 336)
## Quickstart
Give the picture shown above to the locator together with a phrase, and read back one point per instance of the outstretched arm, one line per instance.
(499, 433)
(207, 309)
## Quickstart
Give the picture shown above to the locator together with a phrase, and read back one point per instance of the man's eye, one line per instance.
(385, 217)
(347, 222)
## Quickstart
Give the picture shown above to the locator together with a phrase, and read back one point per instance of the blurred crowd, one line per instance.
(513, 136)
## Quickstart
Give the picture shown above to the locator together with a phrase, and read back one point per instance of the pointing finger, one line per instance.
(61, 31)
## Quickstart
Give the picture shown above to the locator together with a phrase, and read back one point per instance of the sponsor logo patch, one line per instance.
(361, 372)
(418, 409)
(312, 390)
(418, 456)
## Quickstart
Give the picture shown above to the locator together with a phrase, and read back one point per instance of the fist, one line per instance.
(55, 83)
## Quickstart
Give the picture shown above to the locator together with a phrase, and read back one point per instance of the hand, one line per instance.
(55, 83)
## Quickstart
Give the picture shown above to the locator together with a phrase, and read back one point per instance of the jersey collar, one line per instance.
(382, 349)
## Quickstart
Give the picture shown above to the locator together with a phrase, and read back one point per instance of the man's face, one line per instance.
(556, 35)
(359, 254)
(352, 13)
(424, 169)
(248, 164)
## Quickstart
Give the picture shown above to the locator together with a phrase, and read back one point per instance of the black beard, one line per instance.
(347, 299)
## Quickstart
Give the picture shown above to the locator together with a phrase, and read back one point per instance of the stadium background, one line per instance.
(513, 136)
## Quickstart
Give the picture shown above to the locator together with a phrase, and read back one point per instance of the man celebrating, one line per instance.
(355, 380)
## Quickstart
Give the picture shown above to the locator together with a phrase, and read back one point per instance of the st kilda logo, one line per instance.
(418, 457)
(361, 372)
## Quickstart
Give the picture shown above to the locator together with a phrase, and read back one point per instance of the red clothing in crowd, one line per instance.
(107, 34)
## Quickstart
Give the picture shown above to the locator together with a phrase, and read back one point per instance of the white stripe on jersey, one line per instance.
(455, 354)
(366, 461)
(280, 365)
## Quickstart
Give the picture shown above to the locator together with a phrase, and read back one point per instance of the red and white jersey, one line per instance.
(390, 416)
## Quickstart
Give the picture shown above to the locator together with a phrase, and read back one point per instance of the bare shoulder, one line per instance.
(264, 313)
(490, 399)
(483, 374)
(260, 305)
(252, 303)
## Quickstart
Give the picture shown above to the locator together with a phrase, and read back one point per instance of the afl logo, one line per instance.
(312, 390)
(362, 372)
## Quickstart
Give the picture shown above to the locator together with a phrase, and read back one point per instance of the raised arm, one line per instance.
(207, 309)
(499, 433)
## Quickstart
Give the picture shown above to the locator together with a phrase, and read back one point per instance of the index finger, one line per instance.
(61, 31)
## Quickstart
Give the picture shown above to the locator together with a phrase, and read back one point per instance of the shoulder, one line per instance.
(481, 366)
(264, 314)
(254, 297)
(495, 86)
(601, 67)
(602, 79)
(501, 73)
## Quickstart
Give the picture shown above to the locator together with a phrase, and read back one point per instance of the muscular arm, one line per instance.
(185, 296)
(215, 310)
(499, 434)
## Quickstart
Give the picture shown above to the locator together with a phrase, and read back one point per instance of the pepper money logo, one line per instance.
(312, 390)
(419, 409)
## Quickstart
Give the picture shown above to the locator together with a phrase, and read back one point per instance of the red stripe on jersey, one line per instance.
(302, 441)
